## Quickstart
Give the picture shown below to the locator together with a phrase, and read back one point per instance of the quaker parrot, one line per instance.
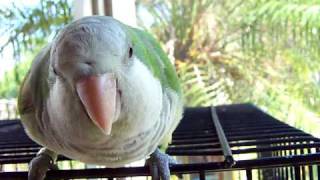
(103, 93)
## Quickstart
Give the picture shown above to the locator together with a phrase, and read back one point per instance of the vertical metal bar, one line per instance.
(291, 167)
(108, 8)
(280, 172)
(280, 168)
(95, 9)
(318, 166)
(281, 154)
(16, 112)
(295, 150)
(8, 110)
(273, 169)
(70, 164)
(287, 167)
(297, 173)
(249, 174)
(291, 172)
(303, 172)
(229, 161)
(276, 170)
(202, 175)
(310, 167)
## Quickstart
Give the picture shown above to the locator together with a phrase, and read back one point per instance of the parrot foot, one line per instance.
(159, 165)
(39, 165)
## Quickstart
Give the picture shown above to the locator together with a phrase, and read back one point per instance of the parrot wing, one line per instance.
(34, 90)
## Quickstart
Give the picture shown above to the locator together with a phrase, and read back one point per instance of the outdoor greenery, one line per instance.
(26, 30)
(261, 51)
(264, 52)
(28, 27)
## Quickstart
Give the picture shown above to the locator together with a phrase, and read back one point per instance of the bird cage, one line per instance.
(238, 140)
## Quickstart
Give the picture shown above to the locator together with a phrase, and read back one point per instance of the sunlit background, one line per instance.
(264, 52)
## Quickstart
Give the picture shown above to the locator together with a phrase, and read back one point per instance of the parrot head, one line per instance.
(94, 60)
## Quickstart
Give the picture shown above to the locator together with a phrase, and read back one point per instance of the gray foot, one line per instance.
(39, 165)
(159, 165)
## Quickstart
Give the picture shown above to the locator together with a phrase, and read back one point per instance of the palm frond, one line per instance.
(201, 89)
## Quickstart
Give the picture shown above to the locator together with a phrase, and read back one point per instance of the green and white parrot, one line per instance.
(103, 93)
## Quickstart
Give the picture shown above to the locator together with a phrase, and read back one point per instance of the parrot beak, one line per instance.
(98, 95)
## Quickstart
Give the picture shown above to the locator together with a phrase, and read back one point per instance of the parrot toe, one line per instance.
(159, 165)
(39, 166)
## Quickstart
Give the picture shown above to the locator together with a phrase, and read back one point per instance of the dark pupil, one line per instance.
(130, 52)
(54, 71)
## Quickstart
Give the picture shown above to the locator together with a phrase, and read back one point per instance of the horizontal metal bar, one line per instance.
(240, 144)
(253, 123)
(244, 128)
(268, 136)
(192, 130)
(190, 136)
(24, 159)
(195, 141)
(266, 131)
(240, 138)
(205, 152)
(231, 128)
(226, 129)
(189, 146)
(273, 141)
(275, 148)
(209, 144)
(8, 157)
(15, 160)
(18, 146)
(175, 169)
(195, 131)
(195, 152)
(19, 150)
(243, 133)
(10, 143)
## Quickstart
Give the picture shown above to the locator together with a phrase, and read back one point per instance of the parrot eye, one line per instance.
(130, 52)
(55, 72)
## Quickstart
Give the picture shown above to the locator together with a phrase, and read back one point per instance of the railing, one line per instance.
(8, 109)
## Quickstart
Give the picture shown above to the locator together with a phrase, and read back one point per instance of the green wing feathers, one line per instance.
(34, 88)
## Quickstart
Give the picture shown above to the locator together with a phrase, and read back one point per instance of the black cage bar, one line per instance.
(237, 137)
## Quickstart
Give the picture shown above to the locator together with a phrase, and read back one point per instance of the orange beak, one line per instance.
(98, 95)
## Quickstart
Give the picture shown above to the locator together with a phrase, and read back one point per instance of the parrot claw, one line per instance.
(40, 164)
(159, 165)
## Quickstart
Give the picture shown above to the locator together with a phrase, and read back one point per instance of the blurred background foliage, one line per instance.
(264, 52)
(230, 51)
(26, 30)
